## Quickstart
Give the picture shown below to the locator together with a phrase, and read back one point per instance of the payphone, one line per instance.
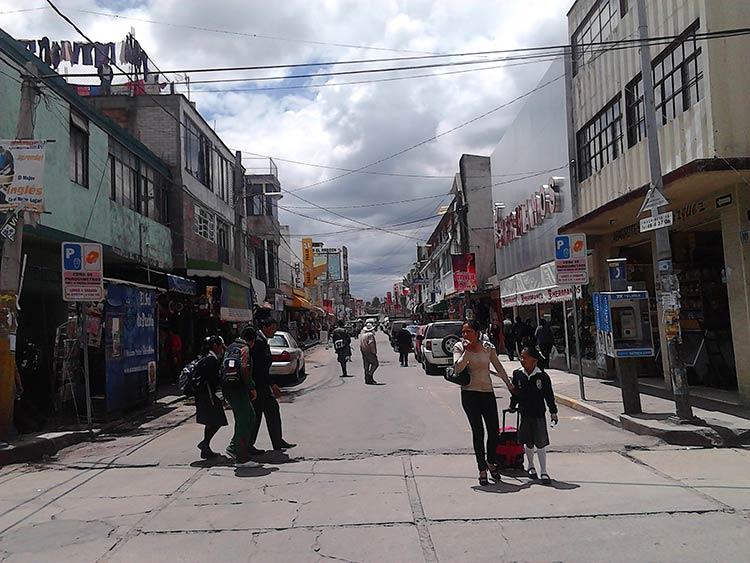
(623, 323)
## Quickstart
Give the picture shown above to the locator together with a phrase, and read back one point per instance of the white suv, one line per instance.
(437, 346)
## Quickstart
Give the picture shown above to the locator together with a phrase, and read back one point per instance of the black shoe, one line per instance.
(209, 454)
(285, 446)
(255, 451)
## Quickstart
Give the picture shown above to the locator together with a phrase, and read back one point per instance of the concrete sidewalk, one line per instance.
(604, 401)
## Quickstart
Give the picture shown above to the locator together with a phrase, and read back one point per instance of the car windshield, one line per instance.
(443, 330)
(278, 341)
(413, 329)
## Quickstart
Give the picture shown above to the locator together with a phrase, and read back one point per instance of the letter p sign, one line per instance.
(72, 256)
(562, 247)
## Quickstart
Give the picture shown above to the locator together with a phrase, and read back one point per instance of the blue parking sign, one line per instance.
(562, 247)
(72, 256)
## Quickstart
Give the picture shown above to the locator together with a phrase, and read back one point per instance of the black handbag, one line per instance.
(461, 378)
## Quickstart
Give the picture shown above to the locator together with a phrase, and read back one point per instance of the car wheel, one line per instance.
(448, 343)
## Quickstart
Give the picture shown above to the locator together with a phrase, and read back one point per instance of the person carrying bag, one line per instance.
(473, 358)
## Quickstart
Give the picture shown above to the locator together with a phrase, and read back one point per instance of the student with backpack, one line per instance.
(534, 390)
(239, 389)
(209, 408)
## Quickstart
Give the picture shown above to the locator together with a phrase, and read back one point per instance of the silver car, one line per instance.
(288, 358)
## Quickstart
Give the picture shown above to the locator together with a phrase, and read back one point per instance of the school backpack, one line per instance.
(231, 367)
(188, 381)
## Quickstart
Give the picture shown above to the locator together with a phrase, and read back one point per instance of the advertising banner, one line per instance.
(82, 269)
(464, 272)
(328, 262)
(22, 175)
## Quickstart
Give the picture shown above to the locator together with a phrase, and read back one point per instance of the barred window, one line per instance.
(205, 223)
(678, 76)
(600, 140)
(595, 28)
(634, 111)
(79, 150)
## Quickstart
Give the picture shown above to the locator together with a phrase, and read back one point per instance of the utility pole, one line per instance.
(667, 284)
(10, 268)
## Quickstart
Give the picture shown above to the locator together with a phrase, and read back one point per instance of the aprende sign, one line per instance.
(82, 269)
(22, 175)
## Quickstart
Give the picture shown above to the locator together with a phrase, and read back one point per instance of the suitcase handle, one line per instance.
(518, 417)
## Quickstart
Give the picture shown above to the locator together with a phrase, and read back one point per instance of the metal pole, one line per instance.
(10, 265)
(578, 342)
(86, 375)
(565, 330)
(666, 282)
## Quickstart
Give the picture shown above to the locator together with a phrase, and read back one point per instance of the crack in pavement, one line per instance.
(317, 549)
(417, 510)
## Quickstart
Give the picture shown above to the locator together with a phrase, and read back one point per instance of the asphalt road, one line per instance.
(381, 473)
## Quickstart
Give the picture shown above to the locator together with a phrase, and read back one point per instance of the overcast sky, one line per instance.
(345, 126)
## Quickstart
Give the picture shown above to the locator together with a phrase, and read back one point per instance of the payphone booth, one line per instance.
(623, 322)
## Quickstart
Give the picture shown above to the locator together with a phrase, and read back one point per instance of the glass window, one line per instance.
(634, 114)
(595, 28)
(599, 142)
(678, 76)
(79, 151)
(278, 341)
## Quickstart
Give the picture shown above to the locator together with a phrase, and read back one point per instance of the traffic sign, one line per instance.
(570, 260)
(657, 221)
(653, 201)
(82, 266)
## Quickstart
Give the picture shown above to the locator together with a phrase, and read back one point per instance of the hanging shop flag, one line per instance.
(22, 175)
(464, 272)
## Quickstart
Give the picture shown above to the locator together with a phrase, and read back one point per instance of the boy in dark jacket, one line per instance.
(534, 390)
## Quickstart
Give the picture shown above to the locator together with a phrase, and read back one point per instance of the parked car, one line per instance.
(288, 358)
(418, 338)
(437, 346)
(413, 330)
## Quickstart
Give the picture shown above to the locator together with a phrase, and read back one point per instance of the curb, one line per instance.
(36, 448)
(580, 406)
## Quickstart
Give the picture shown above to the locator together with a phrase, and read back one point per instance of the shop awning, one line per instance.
(181, 285)
(300, 303)
(532, 287)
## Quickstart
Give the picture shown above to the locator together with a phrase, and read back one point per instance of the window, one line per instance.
(79, 150)
(222, 176)
(600, 140)
(222, 239)
(205, 223)
(255, 203)
(623, 8)
(678, 76)
(260, 263)
(136, 185)
(273, 264)
(270, 205)
(595, 28)
(634, 113)
(198, 151)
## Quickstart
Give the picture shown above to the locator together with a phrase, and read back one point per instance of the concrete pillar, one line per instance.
(734, 220)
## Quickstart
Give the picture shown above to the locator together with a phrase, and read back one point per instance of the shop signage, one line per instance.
(82, 268)
(22, 175)
(684, 213)
(723, 201)
(549, 295)
(8, 230)
(571, 263)
(464, 272)
(526, 216)
(657, 221)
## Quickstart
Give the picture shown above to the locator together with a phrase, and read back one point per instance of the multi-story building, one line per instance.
(702, 128)
(210, 241)
(531, 200)
(262, 194)
(101, 185)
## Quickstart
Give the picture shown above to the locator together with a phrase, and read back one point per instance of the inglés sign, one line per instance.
(82, 267)
(22, 175)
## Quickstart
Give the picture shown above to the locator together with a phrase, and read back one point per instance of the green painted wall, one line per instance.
(84, 212)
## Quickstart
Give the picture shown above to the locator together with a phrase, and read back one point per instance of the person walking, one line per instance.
(265, 403)
(509, 336)
(534, 389)
(209, 408)
(478, 397)
(545, 340)
(238, 388)
(519, 331)
(404, 345)
(369, 349)
(342, 345)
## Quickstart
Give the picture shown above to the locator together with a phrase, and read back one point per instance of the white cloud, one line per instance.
(344, 126)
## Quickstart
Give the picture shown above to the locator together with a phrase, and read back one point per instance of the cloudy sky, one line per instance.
(324, 121)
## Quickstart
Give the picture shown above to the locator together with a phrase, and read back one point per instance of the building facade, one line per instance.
(704, 150)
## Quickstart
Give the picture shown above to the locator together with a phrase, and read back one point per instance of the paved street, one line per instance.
(381, 474)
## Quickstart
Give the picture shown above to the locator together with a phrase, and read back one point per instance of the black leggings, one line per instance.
(403, 357)
(477, 406)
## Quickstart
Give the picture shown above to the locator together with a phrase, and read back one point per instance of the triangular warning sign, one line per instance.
(653, 201)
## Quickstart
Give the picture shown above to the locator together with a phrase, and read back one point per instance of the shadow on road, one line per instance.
(254, 471)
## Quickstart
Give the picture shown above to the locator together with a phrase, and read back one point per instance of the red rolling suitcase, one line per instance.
(509, 451)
